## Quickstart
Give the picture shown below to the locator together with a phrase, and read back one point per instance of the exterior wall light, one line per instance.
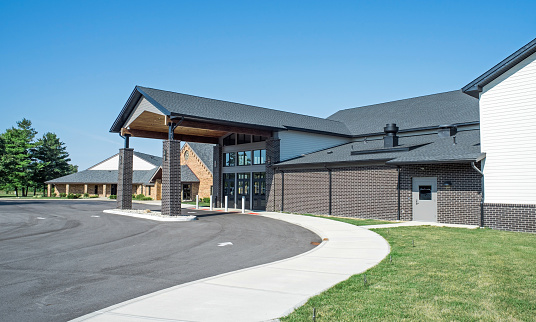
(447, 184)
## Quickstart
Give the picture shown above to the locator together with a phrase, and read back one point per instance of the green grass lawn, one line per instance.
(201, 204)
(451, 274)
(355, 221)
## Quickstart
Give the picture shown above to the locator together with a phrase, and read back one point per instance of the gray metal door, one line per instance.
(424, 195)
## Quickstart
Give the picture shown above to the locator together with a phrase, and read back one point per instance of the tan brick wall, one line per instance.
(200, 170)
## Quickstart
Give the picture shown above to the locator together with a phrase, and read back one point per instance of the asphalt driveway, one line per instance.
(63, 259)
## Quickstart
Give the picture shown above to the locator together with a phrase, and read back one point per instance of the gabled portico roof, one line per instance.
(209, 118)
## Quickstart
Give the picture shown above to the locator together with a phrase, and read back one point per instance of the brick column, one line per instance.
(67, 186)
(124, 179)
(272, 156)
(49, 188)
(104, 190)
(217, 186)
(85, 188)
(171, 178)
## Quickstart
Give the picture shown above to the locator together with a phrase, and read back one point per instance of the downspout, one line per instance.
(330, 192)
(398, 191)
(282, 189)
(481, 193)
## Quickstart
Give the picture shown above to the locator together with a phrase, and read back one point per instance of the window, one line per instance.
(229, 140)
(244, 138)
(229, 159)
(425, 192)
(257, 138)
(186, 155)
(96, 189)
(149, 191)
(244, 158)
(259, 157)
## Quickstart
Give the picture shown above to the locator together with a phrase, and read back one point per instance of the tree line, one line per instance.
(27, 163)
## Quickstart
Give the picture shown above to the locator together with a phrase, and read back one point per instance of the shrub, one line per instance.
(112, 197)
(86, 195)
(140, 196)
(205, 200)
(63, 195)
(147, 198)
(94, 196)
(73, 196)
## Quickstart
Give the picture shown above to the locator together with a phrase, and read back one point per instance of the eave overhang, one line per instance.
(475, 87)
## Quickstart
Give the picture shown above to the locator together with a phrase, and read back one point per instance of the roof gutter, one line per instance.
(475, 87)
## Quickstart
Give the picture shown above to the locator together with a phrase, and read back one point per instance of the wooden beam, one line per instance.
(226, 128)
(164, 136)
(218, 127)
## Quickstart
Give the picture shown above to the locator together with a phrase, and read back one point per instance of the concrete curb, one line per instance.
(264, 292)
(149, 217)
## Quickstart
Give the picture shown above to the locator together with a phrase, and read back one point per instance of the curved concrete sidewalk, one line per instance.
(264, 292)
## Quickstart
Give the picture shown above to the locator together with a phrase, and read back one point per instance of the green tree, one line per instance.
(2, 154)
(16, 160)
(51, 160)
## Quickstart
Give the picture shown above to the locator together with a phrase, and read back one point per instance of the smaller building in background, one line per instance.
(101, 179)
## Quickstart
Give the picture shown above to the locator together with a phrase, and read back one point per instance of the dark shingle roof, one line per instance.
(206, 108)
(420, 149)
(110, 176)
(187, 175)
(103, 176)
(204, 152)
(474, 87)
(152, 159)
(420, 112)
(139, 176)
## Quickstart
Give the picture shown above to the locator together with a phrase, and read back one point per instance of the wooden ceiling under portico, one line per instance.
(154, 126)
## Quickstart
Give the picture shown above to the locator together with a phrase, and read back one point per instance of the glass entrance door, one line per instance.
(243, 188)
(229, 189)
(259, 190)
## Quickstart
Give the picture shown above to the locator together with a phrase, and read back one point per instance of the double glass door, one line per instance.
(243, 183)
(252, 186)
(259, 190)
(229, 189)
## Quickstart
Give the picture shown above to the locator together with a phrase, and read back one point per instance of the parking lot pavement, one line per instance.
(63, 259)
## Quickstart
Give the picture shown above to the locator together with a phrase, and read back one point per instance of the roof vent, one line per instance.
(390, 140)
(445, 131)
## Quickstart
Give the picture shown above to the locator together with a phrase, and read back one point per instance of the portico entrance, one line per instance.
(175, 117)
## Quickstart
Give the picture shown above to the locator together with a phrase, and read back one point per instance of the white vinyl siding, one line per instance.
(113, 164)
(507, 119)
(142, 106)
(294, 143)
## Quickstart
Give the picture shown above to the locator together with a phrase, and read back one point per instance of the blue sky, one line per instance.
(70, 66)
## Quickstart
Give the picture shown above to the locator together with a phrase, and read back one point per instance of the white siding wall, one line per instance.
(143, 105)
(113, 164)
(294, 143)
(508, 135)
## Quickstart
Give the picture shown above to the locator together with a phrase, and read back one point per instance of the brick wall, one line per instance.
(510, 217)
(365, 192)
(171, 178)
(200, 170)
(459, 204)
(125, 188)
(217, 176)
(371, 192)
(273, 152)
